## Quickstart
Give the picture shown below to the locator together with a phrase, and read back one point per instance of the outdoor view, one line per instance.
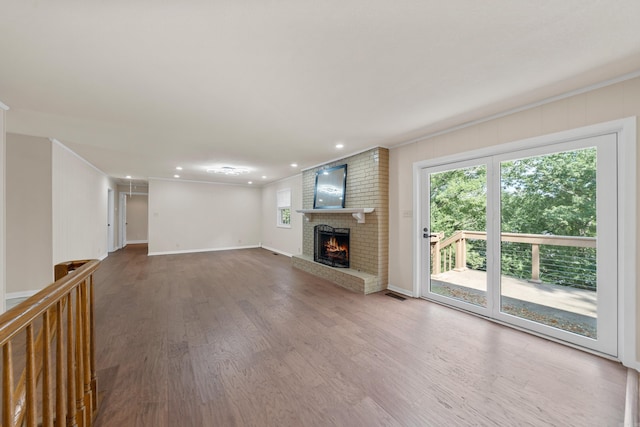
(547, 243)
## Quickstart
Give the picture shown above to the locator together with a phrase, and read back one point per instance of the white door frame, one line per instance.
(111, 235)
(122, 221)
(627, 246)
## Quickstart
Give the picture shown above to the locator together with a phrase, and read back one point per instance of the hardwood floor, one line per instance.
(240, 338)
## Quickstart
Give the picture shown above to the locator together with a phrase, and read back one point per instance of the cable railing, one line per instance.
(562, 260)
(48, 345)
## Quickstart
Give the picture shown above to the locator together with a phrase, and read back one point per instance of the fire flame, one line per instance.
(332, 246)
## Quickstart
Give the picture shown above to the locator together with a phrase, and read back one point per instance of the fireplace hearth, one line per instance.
(331, 246)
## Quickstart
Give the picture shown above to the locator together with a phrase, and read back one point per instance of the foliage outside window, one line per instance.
(547, 195)
(284, 208)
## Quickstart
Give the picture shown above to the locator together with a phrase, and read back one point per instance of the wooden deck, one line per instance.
(573, 300)
(240, 338)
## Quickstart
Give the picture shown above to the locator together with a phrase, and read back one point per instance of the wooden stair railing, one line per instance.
(58, 385)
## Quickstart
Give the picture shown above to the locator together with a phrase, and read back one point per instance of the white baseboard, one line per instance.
(631, 401)
(277, 251)
(22, 294)
(193, 251)
(135, 242)
(401, 291)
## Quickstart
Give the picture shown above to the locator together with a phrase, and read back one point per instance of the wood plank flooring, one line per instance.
(240, 338)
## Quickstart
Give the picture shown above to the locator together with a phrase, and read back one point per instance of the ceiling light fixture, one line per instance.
(178, 168)
(176, 176)
(294, 165)
(339, 146)
(250, 182)
(128, 176)
(228, 170)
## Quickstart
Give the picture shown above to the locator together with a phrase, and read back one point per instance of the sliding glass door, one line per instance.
(528, 238)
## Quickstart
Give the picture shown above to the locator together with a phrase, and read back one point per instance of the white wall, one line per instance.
(137, 218)
(3, 261)
(196, 216)
(597, 106)
(79, 212)
(287, 241)
(28, 210)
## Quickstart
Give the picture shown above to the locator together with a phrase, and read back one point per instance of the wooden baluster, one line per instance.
(86, 350)
(60, 407)
(47, 410)
(31, 380)
(535, 263)
(94, 377)
(7, 386)
(79, 373)
(461, 261)
(72, 416)
(437, 257)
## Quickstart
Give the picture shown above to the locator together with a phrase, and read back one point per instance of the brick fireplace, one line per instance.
(367, 192)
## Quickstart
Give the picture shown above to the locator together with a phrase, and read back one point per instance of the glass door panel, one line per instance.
(457, 234)
(548, 253)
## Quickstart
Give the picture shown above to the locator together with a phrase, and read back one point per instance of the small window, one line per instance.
(284, 208)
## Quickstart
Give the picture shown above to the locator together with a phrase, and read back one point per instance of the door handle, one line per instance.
(426, 234)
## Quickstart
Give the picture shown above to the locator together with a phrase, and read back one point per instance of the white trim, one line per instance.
(22, 294)
(398, 290)
(631, 400)
(277, 251)
(133, 193)
(204, 182)
(627, 245)
(103, 256)
(523, 108)
(193, 251)
(3, 106)
(135, 242)
(55, 141)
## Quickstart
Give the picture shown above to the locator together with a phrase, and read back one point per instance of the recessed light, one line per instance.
(339, 146)
(250, 182)
(264, 177)
(128, 176)
(178, 168)
(294, 165)
(176, 176)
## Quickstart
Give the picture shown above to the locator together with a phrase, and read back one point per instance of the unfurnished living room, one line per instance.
(303, 213)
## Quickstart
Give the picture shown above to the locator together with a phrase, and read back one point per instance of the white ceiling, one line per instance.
(140, 87)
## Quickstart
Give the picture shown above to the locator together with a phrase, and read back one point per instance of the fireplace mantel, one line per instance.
(357, 213)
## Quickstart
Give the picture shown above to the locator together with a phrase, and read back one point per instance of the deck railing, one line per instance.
(48, 344)
(451, 253)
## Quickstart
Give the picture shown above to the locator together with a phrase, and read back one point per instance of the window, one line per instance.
(284, 208)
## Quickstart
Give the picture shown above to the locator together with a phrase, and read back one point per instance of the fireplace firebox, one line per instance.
(331, 246)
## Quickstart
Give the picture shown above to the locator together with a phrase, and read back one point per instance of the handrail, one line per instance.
(460, 237)
(64, 311)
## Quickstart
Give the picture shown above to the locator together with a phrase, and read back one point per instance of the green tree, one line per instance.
(553, 194)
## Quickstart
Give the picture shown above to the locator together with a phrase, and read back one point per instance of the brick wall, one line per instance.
(367, 187)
